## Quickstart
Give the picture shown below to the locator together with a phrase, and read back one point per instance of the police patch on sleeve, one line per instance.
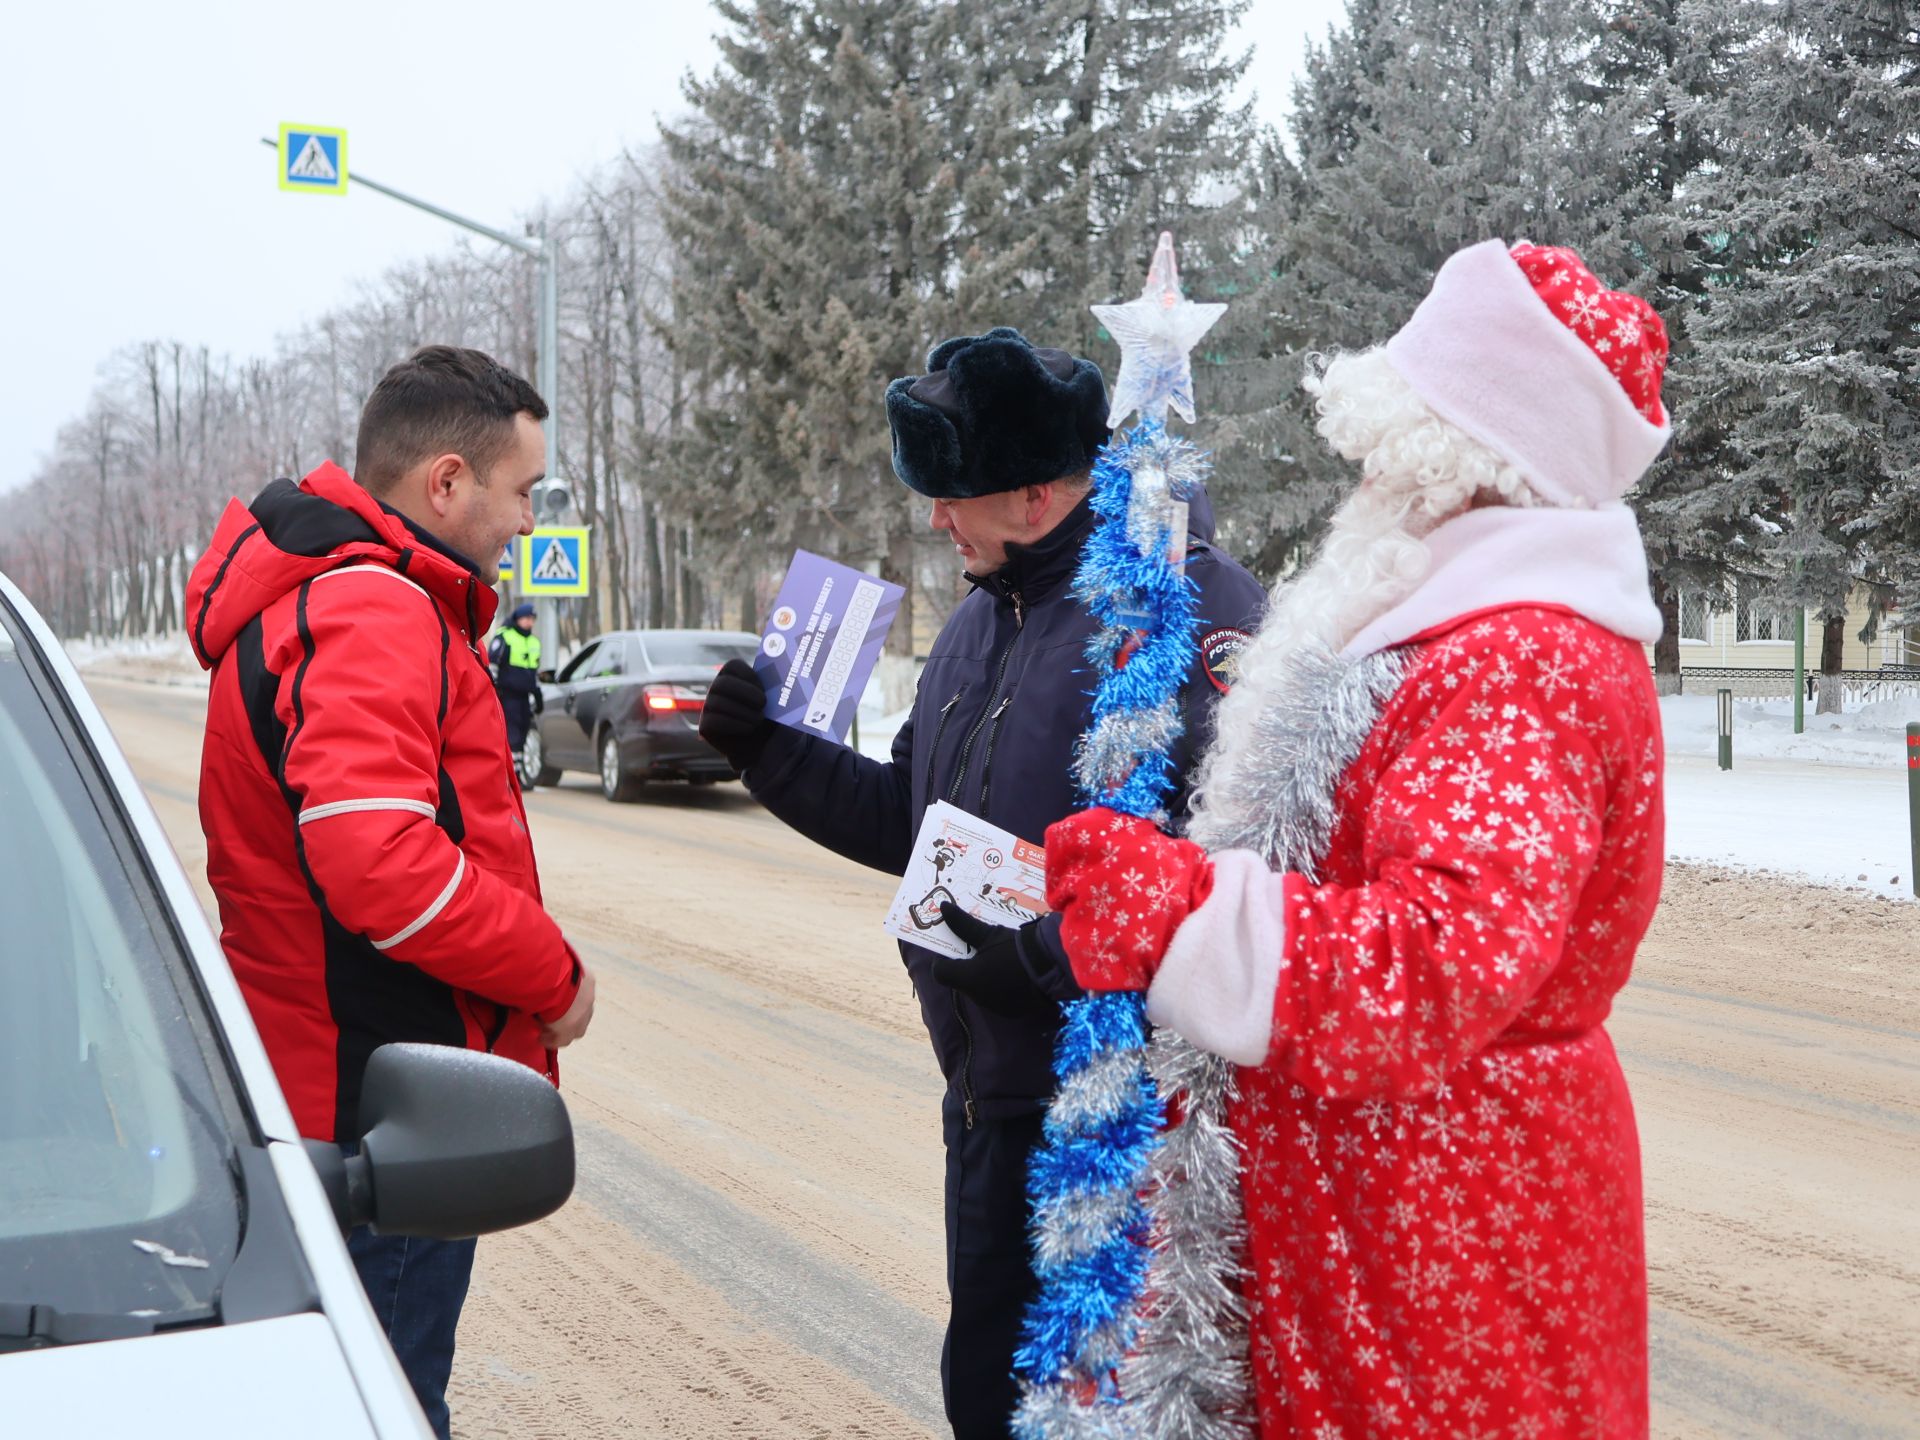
(1220, 654)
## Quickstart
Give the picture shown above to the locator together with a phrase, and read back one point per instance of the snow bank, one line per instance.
(1830, 824)
(154, 659)
(1870, 735)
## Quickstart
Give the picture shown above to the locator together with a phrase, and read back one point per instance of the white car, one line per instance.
(171, 1260)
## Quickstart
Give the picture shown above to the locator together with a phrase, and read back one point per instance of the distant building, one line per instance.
(1722, 633)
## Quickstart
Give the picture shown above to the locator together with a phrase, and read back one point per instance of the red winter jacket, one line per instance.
(365, 836)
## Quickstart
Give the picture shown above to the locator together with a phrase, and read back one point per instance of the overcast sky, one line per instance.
(140, 203)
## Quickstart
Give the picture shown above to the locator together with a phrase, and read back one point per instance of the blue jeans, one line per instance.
(417, 1288)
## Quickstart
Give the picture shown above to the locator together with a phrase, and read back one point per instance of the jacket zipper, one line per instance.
(986, 756)
(933, 750)
(966, 749)
(966, 1063)
(999, 678)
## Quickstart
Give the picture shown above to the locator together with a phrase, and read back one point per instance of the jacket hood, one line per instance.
(1200, 520)
(291, 533)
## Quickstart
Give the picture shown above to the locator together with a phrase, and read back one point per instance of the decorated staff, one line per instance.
(1103, 1158)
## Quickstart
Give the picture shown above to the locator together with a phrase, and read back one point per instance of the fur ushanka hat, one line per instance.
(995, 413)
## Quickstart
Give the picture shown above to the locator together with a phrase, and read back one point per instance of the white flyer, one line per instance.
(986, 871)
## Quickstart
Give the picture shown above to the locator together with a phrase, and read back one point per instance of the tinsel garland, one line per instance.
(1087, 1186)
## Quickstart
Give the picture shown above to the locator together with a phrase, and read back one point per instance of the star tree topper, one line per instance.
(1155, 334)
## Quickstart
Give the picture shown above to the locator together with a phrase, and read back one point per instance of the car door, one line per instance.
(559, 725)
(597, 684)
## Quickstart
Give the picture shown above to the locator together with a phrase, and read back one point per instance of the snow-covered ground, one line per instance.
(157, 659)
(1763, 730)
(1834, 824)
(1830, 804)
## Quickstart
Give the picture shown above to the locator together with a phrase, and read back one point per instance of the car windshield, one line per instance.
(116, 1188)
(665, 648)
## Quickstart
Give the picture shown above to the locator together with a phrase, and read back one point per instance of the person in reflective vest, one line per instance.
(515, 656)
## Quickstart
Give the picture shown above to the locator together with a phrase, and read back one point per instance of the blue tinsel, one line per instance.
(1077, 1328)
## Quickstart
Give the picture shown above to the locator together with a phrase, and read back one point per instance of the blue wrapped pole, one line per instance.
(1086, 1186)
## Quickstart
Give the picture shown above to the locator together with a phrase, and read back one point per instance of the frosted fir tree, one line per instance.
(1646, 100)
(813, 202)
(1132, 125)
(1138, 132)
(1422, 127)
(1809, 347)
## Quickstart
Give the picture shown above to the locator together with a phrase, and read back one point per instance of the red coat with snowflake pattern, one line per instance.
(1441, 1171)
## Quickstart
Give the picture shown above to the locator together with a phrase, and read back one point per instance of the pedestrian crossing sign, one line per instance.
(313, 158)
(554, 560)
(507, 558)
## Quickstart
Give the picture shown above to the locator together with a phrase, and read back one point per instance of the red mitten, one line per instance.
(1122, 888)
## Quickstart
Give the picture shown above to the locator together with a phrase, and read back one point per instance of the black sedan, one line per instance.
(627, 708)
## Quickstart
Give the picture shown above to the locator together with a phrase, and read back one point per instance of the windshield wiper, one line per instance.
(30, 1327)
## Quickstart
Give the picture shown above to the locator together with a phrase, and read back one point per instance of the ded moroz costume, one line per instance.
(1427, 842)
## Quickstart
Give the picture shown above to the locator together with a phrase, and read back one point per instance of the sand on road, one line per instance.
(755, 1244)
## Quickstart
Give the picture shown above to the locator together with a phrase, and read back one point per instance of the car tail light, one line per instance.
(672, 699)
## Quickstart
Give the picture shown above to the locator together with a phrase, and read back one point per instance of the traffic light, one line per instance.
(552, 502)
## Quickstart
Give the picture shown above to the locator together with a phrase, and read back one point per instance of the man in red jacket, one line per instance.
(365, 834)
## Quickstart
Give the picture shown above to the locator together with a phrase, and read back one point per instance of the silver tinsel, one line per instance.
(1188, 1377)
(1112, 746)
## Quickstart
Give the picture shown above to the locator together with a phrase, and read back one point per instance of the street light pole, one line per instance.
(538, 247)
(541, 248)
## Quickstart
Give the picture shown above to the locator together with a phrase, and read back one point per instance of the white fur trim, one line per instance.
(1488, 355)
(1217, 983)
(1593, 562)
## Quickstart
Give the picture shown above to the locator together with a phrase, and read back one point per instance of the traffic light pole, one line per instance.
(543, 250)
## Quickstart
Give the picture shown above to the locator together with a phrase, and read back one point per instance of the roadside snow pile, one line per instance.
(1832, 825)
(1871, 735)
(152, 659)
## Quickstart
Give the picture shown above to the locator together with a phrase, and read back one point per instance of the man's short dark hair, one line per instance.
(440, 400)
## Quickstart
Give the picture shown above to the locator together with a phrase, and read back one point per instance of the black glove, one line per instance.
(734, 720)
(994, 975)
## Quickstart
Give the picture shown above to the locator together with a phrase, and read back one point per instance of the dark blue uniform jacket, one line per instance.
(1005, 694)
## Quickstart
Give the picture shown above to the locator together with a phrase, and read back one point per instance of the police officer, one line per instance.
(515, 655)
(1001, 437)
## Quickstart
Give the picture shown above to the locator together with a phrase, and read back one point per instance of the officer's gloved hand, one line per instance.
(734, 720)
(994, 975)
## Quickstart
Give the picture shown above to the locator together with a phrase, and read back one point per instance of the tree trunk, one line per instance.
(898, 568)
(1833, 644)
(1666, 650)
(655, 574)
(692, 602)
(668, 539)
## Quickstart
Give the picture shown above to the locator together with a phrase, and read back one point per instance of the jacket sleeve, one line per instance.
(852, 804)
(362, 759)
(1477, 842)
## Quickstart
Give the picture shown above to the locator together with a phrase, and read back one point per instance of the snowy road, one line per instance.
(755, 1245)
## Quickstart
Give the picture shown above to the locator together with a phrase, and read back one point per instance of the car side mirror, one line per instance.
(545, 677)
(454, 1143)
